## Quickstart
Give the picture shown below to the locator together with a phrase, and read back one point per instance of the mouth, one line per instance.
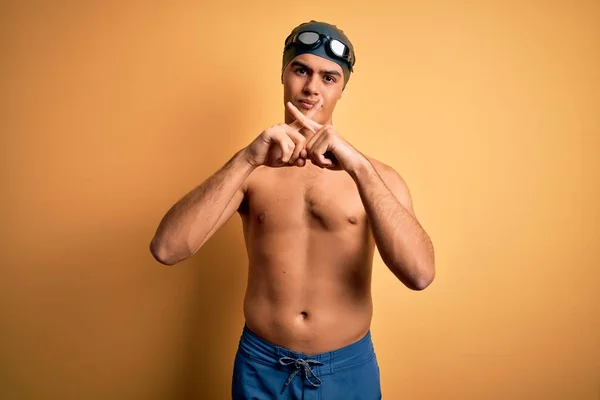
(306, 104)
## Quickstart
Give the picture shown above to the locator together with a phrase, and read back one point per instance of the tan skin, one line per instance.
(307, 297)
(308, 236)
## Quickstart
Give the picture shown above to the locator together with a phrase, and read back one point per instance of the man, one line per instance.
(313, 208)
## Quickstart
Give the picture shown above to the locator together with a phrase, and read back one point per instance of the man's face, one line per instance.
(309, 77)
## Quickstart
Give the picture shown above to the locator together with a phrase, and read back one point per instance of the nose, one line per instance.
(311, 86)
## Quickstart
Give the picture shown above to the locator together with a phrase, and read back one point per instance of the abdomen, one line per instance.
(310, 293)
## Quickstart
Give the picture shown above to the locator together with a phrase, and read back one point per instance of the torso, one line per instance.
(310, 252)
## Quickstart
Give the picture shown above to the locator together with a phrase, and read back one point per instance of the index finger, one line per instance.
(303, 119)
(315, 109)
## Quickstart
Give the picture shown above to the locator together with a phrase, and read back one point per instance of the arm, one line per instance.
(199, 214)
(403, 244)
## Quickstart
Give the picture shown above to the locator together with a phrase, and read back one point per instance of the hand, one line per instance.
(326, 148)
(281, 145)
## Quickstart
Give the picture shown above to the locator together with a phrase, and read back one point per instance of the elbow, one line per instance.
(417, 276)
(161, 253)
(417, 281)
(421, 284)
(426, 272)
(424, 279)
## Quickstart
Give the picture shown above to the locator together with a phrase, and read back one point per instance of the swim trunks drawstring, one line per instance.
(301, 364)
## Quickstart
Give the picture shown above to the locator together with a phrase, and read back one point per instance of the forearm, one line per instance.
(188, 222)
(402, 243)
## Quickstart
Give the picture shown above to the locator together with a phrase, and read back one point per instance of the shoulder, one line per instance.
(394, 182)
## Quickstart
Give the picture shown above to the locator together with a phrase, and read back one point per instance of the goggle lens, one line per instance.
(308, 37)
(338, 48)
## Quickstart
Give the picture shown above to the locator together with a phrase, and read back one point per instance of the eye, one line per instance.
(330, 79)
(301, 71)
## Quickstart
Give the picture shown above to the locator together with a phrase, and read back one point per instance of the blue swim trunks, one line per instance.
(265, 371)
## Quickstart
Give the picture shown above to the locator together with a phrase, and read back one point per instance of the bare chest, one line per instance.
(283, 200)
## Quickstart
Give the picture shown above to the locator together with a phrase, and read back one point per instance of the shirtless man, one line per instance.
(313, 208)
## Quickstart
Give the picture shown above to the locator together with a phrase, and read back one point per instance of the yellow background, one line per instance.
(110, 112)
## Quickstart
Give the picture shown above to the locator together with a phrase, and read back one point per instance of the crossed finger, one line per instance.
(305, 121)
(318, 145)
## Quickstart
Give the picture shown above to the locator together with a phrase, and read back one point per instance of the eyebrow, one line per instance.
(299, 64)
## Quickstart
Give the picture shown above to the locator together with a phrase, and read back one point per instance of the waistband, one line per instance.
(262, 351)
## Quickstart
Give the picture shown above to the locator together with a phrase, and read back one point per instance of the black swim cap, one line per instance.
(294, 50)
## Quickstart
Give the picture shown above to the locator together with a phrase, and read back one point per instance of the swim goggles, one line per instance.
(312, 40)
